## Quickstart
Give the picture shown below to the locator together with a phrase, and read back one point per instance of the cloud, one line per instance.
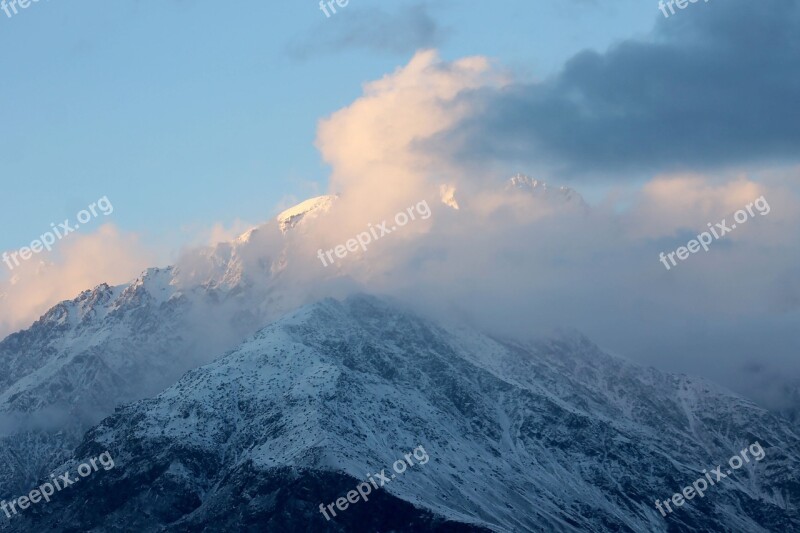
(519, 263)
(80, 262)
(200, 235)
(670, 204)
(402, 31)
(224, 233)
(374, 146)
(714, 86)
(511, 260)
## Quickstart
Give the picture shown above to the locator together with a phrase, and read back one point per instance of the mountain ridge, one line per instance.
(551, 436)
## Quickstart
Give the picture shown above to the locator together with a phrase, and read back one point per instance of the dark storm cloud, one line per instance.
(716, 84)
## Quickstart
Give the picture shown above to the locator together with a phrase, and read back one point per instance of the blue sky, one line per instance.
(186, 113)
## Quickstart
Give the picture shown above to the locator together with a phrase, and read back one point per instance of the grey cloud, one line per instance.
(402, 31)
(716, 84)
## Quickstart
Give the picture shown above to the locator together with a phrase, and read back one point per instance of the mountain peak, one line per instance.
(308, 208)
(523, 182)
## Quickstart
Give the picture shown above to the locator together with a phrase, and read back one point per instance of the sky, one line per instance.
(196, 121)
(188, 112)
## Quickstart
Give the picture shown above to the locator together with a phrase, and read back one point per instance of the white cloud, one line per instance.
(79, 262)
(520, 264)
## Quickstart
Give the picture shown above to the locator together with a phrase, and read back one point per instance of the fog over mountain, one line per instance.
(483, 282)
(114, 345)
(551, 435)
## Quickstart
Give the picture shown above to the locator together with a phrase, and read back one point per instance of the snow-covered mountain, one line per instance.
(113, 345)
(75, 364)
(551, 435)
(311, 208)
(523, 437)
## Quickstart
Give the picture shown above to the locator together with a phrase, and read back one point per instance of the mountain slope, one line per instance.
(114, 345)
(543, 436)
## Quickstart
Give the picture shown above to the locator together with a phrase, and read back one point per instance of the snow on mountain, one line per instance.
(74, 365)
(521, 182)
(549, 435)
(113, 345)
(535, 406)
(308, 209)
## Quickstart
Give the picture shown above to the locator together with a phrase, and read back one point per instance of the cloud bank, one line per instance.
(520, 263)
(712, 87)
(702, 114)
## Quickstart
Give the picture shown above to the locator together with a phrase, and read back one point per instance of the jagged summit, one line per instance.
(307, 209)
(522, 182)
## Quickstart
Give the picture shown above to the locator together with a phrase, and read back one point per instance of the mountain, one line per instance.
(311, 208)
(109, 346)
(546, 435)
(114, 345)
